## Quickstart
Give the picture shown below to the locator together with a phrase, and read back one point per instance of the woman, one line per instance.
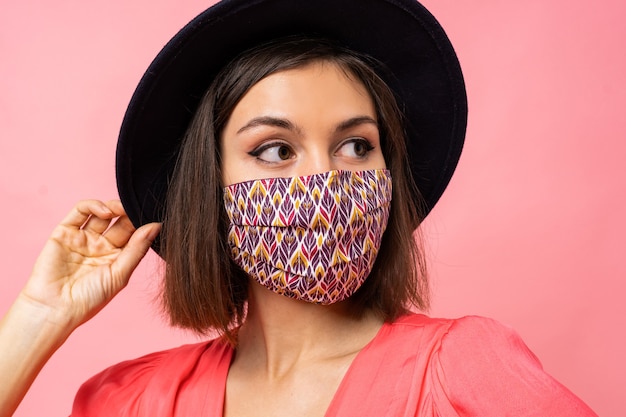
(290, 157)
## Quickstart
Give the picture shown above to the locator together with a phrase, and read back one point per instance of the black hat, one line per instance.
(426, 79)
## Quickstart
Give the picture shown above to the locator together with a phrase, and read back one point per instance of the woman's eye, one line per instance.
(355, 148)
(273, 152)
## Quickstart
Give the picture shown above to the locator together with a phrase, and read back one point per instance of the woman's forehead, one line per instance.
(318, 91)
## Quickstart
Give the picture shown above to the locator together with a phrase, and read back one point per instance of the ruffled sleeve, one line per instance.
(188, 380)
(117, 390)
(485, 369)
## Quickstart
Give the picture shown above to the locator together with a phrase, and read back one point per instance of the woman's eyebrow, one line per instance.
(269, 121)
(355, 121)
(288, 125)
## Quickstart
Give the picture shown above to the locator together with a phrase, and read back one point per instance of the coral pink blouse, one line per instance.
(415, 366)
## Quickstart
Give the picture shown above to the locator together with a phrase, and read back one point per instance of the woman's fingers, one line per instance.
(135, 250)
(122, 229)
(82, 212)
(110, 222)
(96, 224)
(101, 218)
(119, 233)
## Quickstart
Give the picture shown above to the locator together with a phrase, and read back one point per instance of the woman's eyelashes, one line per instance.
(273, 152)
(357, 148)
(276, 152)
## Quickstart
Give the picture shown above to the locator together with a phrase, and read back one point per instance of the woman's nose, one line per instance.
(316, 162)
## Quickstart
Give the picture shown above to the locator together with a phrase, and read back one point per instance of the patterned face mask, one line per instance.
(313, 238)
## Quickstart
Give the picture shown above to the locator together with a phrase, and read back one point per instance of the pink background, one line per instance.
(530, 231)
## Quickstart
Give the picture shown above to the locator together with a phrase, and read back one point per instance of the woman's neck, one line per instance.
(280, 333)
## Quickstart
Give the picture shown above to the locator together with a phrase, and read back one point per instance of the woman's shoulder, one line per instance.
(464, 335)
(135, 387)
(437, 329)
(483, 367)
(482, 339)
(454, 341)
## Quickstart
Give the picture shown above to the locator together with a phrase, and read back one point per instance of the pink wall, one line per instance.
(527, 232)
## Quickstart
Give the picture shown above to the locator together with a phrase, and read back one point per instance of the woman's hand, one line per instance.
(86, 261)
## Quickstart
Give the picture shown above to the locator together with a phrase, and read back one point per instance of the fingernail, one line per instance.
(154, 232)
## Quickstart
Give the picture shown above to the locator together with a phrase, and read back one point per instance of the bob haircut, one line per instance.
(204, 290)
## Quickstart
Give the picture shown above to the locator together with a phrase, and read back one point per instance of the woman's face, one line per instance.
(298, 122)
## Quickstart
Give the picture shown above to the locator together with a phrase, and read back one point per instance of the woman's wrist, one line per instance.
(42, 320)
(29, 334)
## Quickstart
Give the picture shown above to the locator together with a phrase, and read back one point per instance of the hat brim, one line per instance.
(426, 78)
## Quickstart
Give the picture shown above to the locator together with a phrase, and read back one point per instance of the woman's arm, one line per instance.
(86, 261)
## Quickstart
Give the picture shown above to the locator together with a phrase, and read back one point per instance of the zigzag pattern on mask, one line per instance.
(314, 238)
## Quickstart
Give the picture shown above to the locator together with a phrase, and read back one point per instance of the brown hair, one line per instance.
(204, 289)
